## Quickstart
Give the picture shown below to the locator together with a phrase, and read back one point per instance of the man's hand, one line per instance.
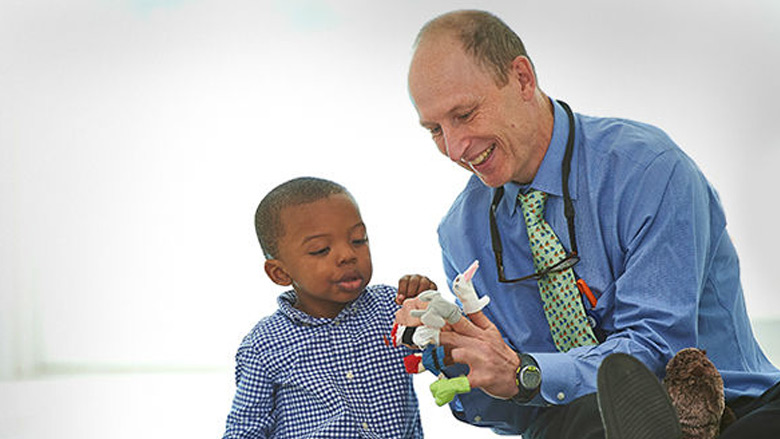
(411, 285)
(479, 344)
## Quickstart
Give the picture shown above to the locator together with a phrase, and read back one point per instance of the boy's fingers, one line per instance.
(403, 285)
(414, 286)
(407, 287)
(428, 284)
(411, 285)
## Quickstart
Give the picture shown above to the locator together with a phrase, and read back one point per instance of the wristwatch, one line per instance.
(528, 378)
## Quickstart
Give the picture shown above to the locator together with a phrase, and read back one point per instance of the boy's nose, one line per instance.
(346, 255)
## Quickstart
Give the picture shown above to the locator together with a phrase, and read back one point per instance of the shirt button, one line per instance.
(365, 426)
(350, 375)
(477, 418)
(561, 396)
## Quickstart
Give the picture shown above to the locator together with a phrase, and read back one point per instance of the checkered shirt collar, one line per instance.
(287, 301)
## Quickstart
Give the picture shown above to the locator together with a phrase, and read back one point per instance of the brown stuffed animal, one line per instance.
(696, 390)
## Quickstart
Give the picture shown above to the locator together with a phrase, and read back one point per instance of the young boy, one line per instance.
(318, 367)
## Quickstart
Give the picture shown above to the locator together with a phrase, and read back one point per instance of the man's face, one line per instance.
(478, 124)
(324, 250)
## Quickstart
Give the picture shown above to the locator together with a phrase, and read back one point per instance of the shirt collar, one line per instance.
(286, 302)
(548, 177)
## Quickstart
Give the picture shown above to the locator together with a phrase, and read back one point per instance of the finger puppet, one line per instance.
(438, 312)
(464, 290)
(432, 359)
(415, 337)
(445, 389)
(695, 388)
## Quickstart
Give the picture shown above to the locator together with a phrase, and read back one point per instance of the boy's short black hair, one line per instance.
(302, 190)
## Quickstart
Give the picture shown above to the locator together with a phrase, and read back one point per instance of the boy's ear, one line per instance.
(276, 272)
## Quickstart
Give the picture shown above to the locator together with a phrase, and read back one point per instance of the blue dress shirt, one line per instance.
(654, 249)
(299, 376)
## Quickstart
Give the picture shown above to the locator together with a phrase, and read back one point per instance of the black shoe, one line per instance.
(632, 401)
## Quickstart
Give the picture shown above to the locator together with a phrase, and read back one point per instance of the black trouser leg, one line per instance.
(578, 420)
(758, 419)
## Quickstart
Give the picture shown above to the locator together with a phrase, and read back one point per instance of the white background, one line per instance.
(138, 136)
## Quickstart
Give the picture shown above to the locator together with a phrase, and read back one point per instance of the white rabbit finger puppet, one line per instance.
(463, 288)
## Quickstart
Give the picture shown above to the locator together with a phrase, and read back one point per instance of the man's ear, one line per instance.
(276, 272)
(523, 72)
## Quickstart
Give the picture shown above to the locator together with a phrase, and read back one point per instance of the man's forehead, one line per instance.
(436, 49)
(444, 82)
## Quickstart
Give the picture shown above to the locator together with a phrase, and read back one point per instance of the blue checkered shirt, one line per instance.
(298, 376)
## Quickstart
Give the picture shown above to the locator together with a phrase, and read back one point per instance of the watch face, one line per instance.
(530, 377)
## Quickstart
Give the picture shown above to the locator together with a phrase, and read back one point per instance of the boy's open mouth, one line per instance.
(350, 282)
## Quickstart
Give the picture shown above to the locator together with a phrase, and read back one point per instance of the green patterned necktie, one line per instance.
(562, 305)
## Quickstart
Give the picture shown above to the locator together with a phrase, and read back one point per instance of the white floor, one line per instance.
(176, 405)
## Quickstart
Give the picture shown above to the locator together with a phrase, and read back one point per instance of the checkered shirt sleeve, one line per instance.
(298, 376)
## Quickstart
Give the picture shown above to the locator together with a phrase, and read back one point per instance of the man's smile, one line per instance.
(478, 160)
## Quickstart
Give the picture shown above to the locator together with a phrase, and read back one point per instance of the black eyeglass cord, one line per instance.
(568, 205)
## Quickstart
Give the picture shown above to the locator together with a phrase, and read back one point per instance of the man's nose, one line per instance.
(455, 144)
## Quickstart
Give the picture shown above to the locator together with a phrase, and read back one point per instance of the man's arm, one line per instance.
(665, 233)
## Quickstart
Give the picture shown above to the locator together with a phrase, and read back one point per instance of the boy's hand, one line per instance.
(411, 285)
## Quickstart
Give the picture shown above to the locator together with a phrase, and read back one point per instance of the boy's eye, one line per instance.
(361, 241)
(320, 252)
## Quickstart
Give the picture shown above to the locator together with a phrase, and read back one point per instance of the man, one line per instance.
(639, 262)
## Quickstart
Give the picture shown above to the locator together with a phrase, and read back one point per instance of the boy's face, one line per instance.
(323, 254)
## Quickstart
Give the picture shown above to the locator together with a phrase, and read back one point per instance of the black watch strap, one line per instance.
(527, 378)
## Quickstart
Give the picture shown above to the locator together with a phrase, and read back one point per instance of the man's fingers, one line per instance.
(403, 315)
(465, 327)
(480, 320)
(491, 362)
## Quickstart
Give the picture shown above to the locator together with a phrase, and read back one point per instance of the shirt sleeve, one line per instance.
(251, 412)
(665, 226)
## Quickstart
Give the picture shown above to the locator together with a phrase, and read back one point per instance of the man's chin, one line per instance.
(491, 180)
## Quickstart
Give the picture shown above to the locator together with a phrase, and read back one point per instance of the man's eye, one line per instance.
(465, 115)
(435, 131)
(320, 252)
(361, 241)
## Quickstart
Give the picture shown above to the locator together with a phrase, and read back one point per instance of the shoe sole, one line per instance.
(633, 402)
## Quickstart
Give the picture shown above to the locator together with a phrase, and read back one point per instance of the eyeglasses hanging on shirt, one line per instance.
(572, 257)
